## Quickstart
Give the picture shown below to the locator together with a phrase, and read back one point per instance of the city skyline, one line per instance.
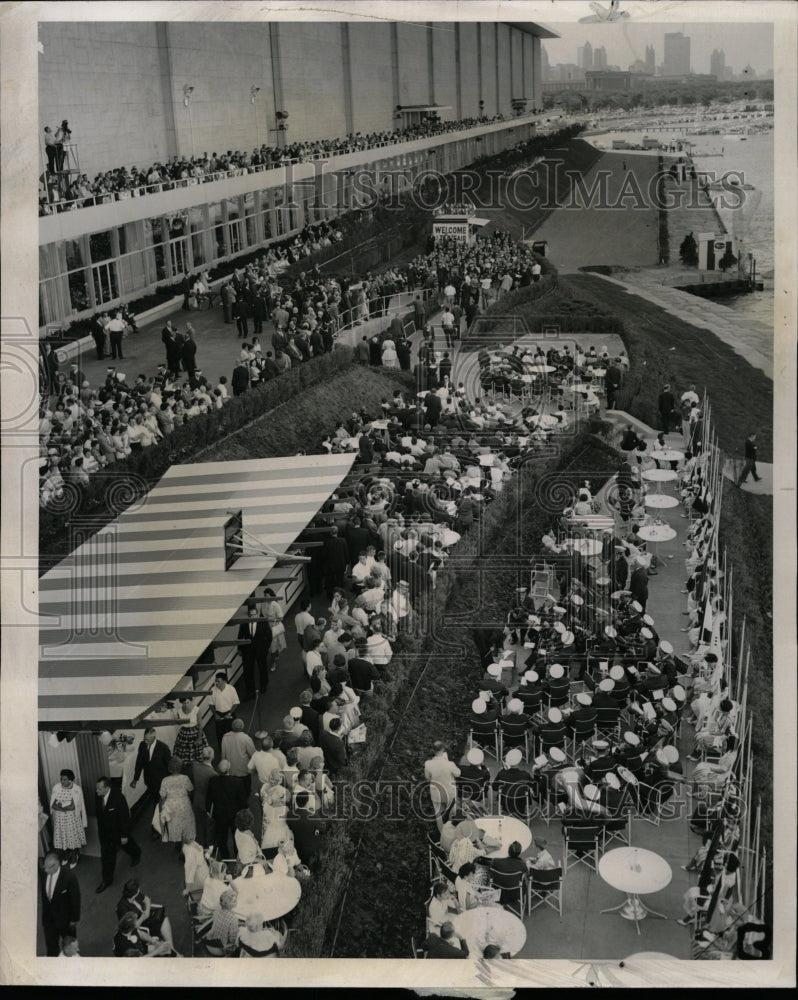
(743, 44)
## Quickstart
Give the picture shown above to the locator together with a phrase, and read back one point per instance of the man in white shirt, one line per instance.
(266, 759)
(224, 698)
(400, 611)
(360, 572)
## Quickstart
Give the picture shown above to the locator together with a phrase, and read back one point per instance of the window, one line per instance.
(215, 216)
(106, 286)
(76, 276)
(198, 227)
(250, 220)
(233, 226)
(266, 209)
(100, 247)
(154, 235)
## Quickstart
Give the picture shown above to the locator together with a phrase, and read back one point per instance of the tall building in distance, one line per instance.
(717, 63)
(676, 59)
(600, 58)
(649, 60)
(584, 56)
(545, 65)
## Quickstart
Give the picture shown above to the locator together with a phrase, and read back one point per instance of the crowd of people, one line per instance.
(60, 192)
(583, 704)
(84, 428)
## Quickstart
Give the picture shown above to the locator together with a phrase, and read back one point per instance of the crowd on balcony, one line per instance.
(59, 191)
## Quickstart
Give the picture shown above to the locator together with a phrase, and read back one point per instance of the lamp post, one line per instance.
(187, 92)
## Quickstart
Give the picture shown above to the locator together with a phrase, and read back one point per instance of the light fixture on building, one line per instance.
(252, 91)
(187, 92)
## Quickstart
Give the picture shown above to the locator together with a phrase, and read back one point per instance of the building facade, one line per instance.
(136, 94)
(676, 59)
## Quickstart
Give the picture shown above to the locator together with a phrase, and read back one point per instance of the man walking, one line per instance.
(225, 797)
(113, 830)
(152, 760)
(60, 894)
(254, 657)
(188, 354)
(750, 461)
(665, 405)
(612, 383)
(225, 700)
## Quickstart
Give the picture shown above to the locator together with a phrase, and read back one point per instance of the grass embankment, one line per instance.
(432, 684)
(663, 348)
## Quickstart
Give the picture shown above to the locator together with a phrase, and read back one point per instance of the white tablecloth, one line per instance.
(635, 870)
(270, 896)
(657, 533)
(490, 925)
(661, 500)
(659, 475)
(508, 828)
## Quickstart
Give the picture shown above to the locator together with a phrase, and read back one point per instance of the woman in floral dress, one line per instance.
(68, 811)
(190, 740)
(177, 814)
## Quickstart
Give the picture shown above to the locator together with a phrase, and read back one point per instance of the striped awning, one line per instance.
(133, 607)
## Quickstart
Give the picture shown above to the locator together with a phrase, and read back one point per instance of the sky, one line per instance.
(625, 42)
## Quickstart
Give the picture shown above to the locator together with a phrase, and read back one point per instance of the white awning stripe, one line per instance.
(156, 577)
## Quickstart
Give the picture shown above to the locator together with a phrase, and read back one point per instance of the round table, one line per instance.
(270, 896)
(490, 925)
(661, 500)
(659, 475)
(509, 829)
(656, 532)
(636, 872)
(586, 547)
(541, 369)
(579, 387)
(667, 455)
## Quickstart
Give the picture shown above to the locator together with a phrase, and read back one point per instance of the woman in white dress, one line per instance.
(273, 613)
(68, 812)
(275, 811)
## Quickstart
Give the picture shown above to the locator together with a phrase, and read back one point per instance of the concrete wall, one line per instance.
(312, 71)
(445, 68)
(106, 79)
(372, 77)
(414, 67)
(222, 66)
(121, 84)
(469, 78)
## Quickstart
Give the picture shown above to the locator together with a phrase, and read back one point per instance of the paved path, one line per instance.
(751, 340)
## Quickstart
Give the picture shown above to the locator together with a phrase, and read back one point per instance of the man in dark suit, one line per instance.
(113, 830)
(60, 895)
(638, 585)
(225, 797)
(665, 405)
(152, 760)
(447, 944)
(201, 773)
(335, 560)
(612, 383)
(188, 354)
(333, 747)
(240, 379)
(310, 717)
(255, 656)
(307, 828)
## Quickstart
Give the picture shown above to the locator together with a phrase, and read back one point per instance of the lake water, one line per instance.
(753, 160)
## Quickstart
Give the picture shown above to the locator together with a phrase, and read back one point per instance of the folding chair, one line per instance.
(545, 886)
(512, 735)
(581, 841)
(437, 856)
(608, 723)
(616, 828)
(512, 891)
(199, 925)
(484, 735)
(584, 731)
(415, 951)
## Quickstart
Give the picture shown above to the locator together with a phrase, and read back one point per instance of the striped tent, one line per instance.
(134, 606)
